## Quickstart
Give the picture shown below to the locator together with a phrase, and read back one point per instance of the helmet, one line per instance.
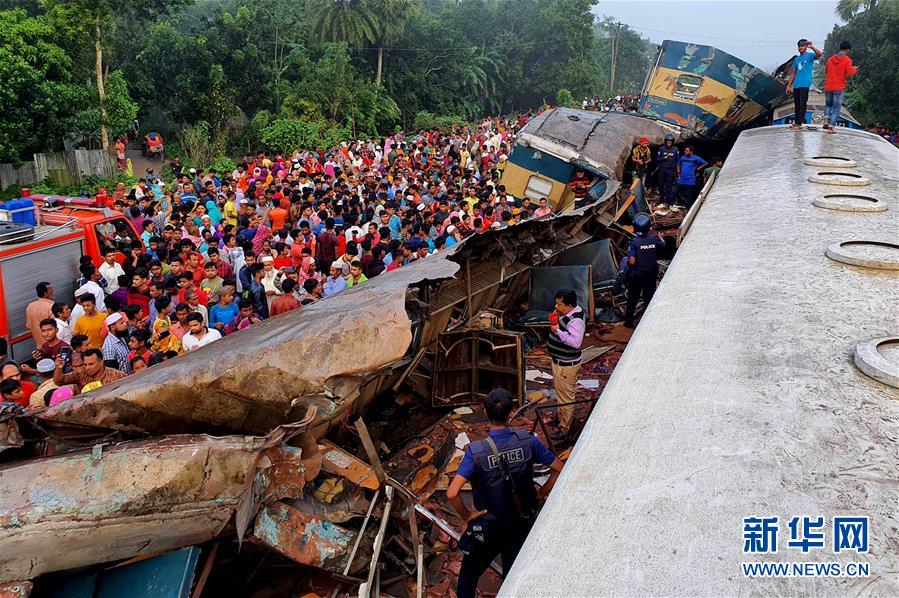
(669, 137)
(642, 224)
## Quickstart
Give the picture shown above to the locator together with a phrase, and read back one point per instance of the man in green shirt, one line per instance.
(707, 173)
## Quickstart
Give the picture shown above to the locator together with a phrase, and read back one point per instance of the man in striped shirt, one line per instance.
(566, 333)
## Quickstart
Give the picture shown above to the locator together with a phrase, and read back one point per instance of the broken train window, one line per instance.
(538, 188)
(687, 86)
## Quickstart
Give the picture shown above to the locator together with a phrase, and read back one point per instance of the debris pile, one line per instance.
(313, 468)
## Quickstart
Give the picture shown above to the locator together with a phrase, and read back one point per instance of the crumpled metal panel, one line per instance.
(10, 437)
(15, 589)
(599, 141)
(304, 538)
(131, 499)
(259, 378)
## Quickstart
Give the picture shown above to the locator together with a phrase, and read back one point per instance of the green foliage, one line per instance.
(872, 95)
(39, 98)
(635, 55)
(91, 184)
(285, 134)
(424, 120)
(197, 145)
(223, 164)
(565, 99)
(203, 69)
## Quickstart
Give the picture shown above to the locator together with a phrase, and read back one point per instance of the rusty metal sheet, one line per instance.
(133, 498)
(15, 589)
(304, 538)
(340, 462)
(10, 437)
(268, 374)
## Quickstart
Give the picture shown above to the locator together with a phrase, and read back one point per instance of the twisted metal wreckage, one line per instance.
(275, 392)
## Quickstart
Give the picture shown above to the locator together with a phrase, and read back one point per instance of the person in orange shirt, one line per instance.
(91, 323)
(277, 216)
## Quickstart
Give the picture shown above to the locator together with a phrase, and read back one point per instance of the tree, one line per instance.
(846, 9)
(872, 95)
(40, 101)
(390, 17)
(350, 21)
(96, 20)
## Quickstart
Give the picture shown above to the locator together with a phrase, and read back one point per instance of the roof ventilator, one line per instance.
(847, 179)
(877, 255)
(879, 359)
(850, 203)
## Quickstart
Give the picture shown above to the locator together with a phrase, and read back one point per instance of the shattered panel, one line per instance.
(304, 538)
(117, 502)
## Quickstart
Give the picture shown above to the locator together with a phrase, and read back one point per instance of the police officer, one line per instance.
(667, 158)
(501, 471)
(642, 256)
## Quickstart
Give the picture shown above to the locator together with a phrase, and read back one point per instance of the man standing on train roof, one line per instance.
(500, 469)
(836, 69)
(667, 157)
(801, 80)
(642, 259)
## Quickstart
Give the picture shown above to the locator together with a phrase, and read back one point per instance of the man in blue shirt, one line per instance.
(688, 167)
(501, 471)
(801, 80)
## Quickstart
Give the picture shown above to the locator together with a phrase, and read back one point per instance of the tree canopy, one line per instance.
(873, 30)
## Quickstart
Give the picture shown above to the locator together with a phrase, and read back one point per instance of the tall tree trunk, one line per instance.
(101, 88)
(380, 64)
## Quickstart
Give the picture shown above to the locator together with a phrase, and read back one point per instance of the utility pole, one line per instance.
(614, 57)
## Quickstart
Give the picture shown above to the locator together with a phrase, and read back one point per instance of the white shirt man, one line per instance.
(111, 270)
(200, 335)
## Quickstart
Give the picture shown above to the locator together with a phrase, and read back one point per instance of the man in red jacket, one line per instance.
(838, 67)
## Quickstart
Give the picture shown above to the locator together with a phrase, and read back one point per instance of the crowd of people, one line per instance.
(220, 251)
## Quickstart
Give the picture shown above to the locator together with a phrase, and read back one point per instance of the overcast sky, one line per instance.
(762, 32)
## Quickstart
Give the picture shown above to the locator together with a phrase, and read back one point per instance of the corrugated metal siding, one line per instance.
(57, 265)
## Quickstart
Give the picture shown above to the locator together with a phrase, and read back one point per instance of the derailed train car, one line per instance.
(706, 91)
(557, 142)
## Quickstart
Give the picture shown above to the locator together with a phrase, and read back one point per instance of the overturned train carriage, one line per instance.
(707, 92)
(555, 143)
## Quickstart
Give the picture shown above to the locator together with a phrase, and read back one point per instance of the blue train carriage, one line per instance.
(555, 143)
(707, 91)
(784, 114)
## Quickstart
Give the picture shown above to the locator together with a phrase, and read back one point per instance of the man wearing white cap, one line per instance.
(45, 368)
(270, 275)
(115, 347)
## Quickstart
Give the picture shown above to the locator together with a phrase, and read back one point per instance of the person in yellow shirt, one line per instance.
(163, 339)
(230, 209)
(91, 323)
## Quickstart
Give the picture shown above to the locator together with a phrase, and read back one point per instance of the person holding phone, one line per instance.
(566, 333)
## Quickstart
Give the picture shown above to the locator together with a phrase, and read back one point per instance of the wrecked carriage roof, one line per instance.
(599, 141)
(256, 379)
(266, 375)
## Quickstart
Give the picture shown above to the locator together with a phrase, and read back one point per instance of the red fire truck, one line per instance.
(65, 229)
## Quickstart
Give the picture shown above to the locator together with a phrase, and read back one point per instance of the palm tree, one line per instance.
(846, 9)
(349, 21)
(391, 17)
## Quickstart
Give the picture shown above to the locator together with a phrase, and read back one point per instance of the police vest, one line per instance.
(668, 157)
(491, 491)
(559, 350)
(647, 253)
